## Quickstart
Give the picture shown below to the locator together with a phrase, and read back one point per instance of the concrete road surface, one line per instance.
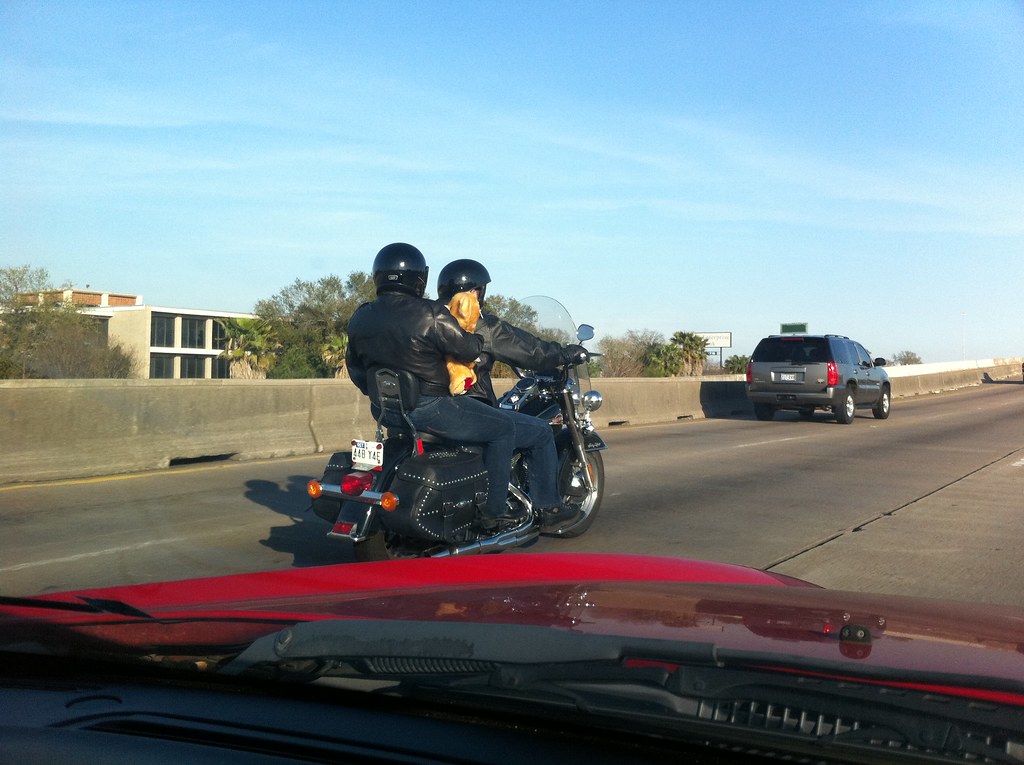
(929, 502)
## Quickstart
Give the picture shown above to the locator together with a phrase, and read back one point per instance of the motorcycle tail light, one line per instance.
(314, 489)
(389, 501)
(356, 483)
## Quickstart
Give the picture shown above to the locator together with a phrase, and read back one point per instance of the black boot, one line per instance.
(558, 517)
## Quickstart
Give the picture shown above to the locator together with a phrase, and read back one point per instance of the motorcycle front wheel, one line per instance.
(575, 492)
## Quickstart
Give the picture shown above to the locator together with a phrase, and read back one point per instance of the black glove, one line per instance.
(574, 354)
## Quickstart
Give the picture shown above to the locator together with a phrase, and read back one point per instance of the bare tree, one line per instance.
(906, 357)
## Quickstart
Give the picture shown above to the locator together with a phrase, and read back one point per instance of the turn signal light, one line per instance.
(389, 501)
(356, 483)
(314, 489)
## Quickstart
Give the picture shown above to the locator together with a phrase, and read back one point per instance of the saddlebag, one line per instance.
(439, 494)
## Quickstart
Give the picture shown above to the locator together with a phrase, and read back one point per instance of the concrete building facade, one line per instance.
(166, 343)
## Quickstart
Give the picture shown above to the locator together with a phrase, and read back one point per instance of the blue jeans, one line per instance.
(467, 420)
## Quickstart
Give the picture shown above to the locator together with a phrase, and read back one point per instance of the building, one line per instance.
(167, 343)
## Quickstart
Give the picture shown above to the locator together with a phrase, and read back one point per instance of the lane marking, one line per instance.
(96, 554)
(773, 441)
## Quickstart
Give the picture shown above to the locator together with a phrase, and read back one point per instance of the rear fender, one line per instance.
(356, 521)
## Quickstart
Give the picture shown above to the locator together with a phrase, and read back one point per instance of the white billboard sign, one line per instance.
(716, 339)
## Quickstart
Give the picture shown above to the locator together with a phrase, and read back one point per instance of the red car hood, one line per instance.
(681, 600)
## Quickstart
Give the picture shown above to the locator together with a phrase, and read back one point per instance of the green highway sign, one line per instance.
(796, 327)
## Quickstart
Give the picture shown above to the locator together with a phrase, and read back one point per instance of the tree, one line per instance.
(906, 357)
(67, 344)
(52, 340)
(309, 316)
(664, 361)
(21, 280)
(635, 354)
(737, 365)
(694, 349)
(333, 354)
(251, 347)
(511, 310)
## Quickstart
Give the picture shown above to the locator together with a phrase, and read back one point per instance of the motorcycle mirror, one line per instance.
(585, 332)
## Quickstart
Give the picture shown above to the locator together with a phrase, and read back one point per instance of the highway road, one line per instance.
(929, 502)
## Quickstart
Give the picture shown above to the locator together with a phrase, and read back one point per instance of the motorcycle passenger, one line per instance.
(514, 345)
(502, 341)
(404, 331)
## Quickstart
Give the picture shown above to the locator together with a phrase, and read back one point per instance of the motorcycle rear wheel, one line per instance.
(591, 501)
(382, 546)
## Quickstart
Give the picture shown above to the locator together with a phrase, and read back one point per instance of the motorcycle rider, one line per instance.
(402, 330)
(502, 341)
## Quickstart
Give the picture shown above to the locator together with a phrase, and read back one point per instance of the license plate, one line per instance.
(790, 377)
(367, 453)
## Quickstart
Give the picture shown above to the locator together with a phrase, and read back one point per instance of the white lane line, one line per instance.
(773, 441)
(96, 554)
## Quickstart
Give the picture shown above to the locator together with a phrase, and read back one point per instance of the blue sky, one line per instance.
(698, 166)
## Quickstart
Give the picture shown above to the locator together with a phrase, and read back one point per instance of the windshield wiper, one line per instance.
(684, 688)
(87, 606)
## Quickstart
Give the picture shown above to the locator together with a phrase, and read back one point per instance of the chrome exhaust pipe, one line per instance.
(520, 535)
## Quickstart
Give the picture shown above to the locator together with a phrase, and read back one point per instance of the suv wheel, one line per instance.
(845, 407)
(764, 411)
(881, 408)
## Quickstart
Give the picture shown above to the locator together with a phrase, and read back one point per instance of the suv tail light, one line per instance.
(833, 374)
(750, 372)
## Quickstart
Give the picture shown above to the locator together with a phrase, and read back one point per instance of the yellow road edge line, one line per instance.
(150, 473)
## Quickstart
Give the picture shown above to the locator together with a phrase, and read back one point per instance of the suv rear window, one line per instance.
(792, 350)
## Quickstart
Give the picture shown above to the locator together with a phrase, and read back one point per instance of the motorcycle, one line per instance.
(407, 494)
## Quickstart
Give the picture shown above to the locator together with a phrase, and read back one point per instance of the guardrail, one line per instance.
(54, 429)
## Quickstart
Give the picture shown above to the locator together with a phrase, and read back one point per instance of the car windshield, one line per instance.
(476, 381)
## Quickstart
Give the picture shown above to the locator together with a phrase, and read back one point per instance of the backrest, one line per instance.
(393, 389)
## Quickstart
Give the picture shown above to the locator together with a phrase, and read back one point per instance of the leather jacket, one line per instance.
(514, 346)
(407, 333)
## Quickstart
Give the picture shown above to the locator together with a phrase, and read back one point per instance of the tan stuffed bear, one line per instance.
(465, 307)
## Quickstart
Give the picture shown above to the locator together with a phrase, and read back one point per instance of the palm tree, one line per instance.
(333, 354)
(250, 346)
(737, 365)
(694, 349)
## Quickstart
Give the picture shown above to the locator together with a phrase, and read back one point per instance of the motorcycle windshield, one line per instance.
(549, 320)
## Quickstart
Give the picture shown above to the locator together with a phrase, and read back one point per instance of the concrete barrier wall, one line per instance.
(52, 429)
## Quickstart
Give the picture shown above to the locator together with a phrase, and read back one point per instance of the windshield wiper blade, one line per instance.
(500, 643)
(87, 606)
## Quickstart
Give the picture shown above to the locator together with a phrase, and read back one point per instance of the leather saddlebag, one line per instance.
(439, 493)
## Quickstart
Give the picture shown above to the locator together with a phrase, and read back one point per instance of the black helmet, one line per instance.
(460, 276)
(400, 267)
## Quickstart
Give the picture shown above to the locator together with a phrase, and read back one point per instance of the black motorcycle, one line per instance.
(407, 494)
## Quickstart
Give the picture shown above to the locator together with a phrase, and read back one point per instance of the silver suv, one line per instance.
(809, 372)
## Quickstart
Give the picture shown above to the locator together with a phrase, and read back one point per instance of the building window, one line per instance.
(193, 367)
(220, 336)
(161, 367)
(221, 369)
(162, 331)
(193, 333)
